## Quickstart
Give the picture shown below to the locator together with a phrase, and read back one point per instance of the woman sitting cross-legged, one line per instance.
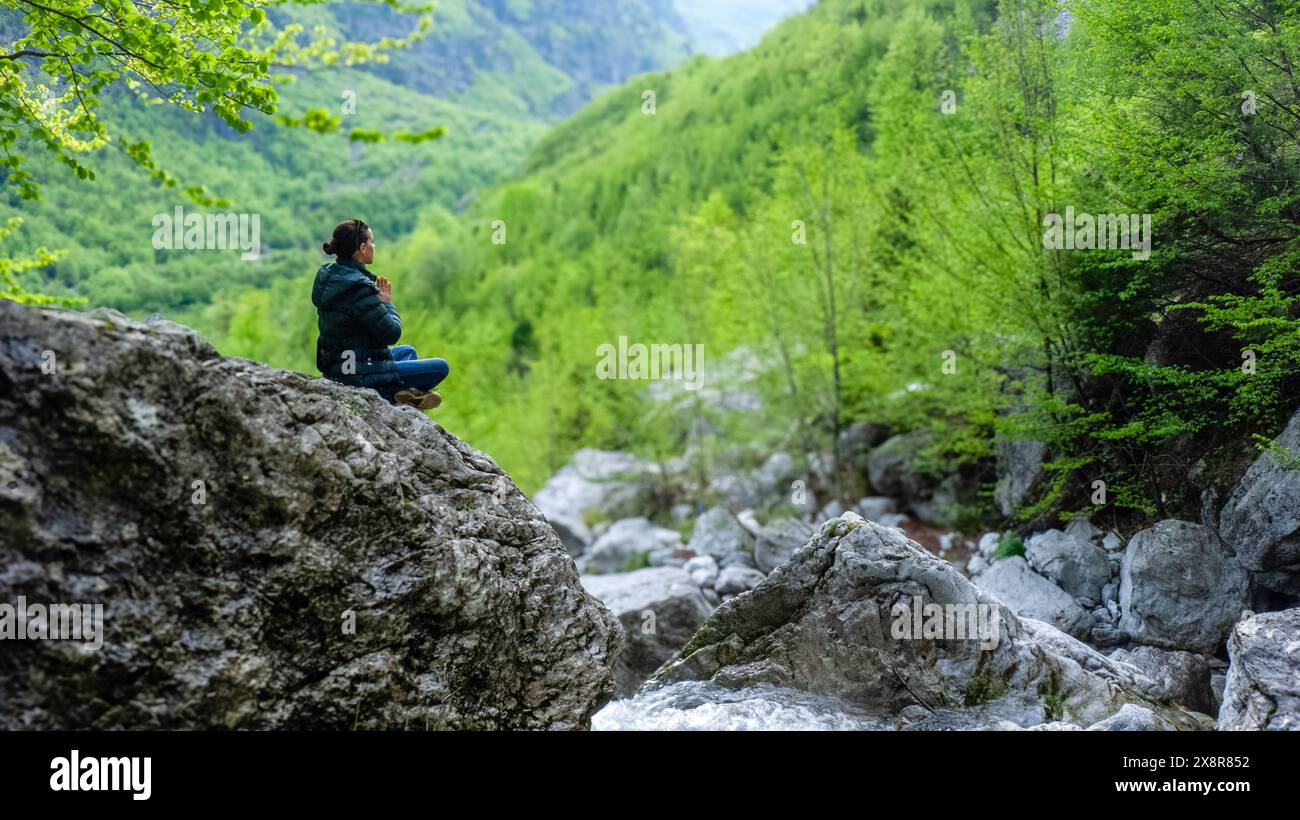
(357, 323)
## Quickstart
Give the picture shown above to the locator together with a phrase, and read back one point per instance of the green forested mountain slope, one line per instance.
(587, 252)
(591, 250)
(534, 58)
(296, 182)
(921, 145)
(492, 72)
(860, 201)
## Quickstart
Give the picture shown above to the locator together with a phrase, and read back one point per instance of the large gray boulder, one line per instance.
(944, 505)
(607, 484)
(1261, 521)
(777, 540)
(734, 580)
(1263, 688)
(855, 445)
(1083, 530)
(718, 534)
(874, 507)
(893, 467)
(1183, 677)
(828, 622)
(1030, 595)
(1180, 588)
(703, 570)
(858, 440)
(627, 541)
(1075, 565)
(1019, 465)
(776, 474)
(271, 551)
(660, 609)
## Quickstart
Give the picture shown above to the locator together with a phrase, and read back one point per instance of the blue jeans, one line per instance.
(418, 374)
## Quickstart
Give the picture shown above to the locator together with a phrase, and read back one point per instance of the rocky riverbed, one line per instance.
(1153, 629)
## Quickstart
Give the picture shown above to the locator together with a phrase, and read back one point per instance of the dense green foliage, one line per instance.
(299, 183)
(491, 73)
(857, 208)
(924, 294)
(62, 57)
(11, 271)
(1009, 545)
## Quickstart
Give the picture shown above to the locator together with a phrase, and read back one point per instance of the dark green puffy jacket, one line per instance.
(352, 320)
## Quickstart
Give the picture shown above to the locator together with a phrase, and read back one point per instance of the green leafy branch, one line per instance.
(200, 55)
(11, 287)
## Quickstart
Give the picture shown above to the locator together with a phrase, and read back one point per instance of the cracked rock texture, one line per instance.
(233, 518)
(1263, 688)
(825, 623)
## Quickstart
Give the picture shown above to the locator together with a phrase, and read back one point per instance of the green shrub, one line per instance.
(1008, 545)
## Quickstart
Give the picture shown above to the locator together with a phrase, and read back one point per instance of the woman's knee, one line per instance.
(438, 368)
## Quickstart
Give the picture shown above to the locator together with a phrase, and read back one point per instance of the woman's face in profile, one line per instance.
(366, 253)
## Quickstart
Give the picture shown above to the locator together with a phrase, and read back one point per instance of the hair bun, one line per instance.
(328, 247)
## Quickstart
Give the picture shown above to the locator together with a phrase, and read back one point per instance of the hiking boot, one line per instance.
(418, 400)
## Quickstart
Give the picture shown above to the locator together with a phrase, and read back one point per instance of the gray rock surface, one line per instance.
(1110, 598)
(1019, 464)
(856, 443)
(659, 608)
(776, 474)
(1105, 628)
(1033, 596)
(739, 489)
(230, 517)
(1083, 530)
(1263, 685)
(1132, 718)
(833, 509)
(703, 570)
(625, 540)
(1073, 564)
(825, 623)
(988, 544)
(602, 482)
(734, 580)
(1183, 677)
(873, 507)
(1180, 588)
(1261, 521)
(777, 540)
(893, 471)
(718, 534)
